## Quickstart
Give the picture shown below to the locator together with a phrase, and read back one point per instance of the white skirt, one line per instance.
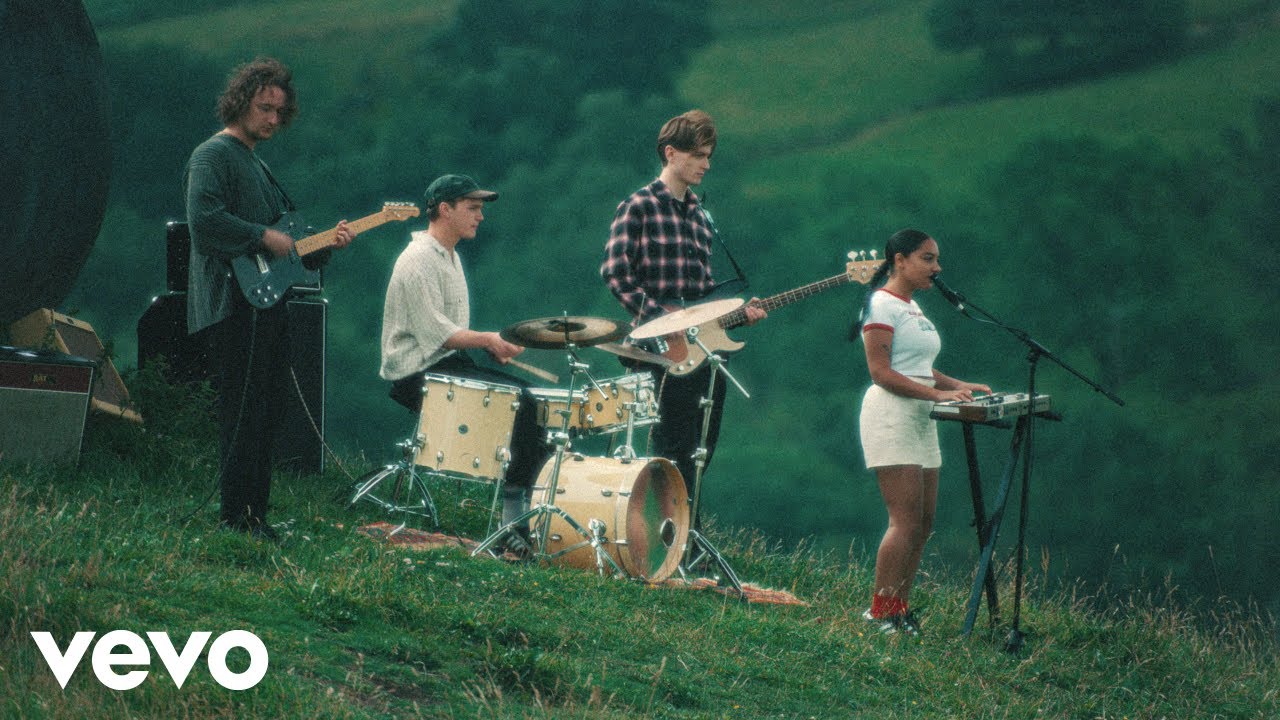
(898, 431)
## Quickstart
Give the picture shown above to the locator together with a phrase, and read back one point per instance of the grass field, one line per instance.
(357, 629)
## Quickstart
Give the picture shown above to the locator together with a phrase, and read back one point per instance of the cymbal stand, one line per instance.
(405, 484)
(699, 549)
(544, 510)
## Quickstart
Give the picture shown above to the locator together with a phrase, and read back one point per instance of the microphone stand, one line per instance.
(1023, 434)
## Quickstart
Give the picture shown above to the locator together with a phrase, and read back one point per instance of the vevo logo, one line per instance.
(105, 657)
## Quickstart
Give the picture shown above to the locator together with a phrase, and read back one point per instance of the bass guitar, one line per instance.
(688, 357)
(264, 279)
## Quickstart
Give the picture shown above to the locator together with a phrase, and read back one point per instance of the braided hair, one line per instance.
(904, 241)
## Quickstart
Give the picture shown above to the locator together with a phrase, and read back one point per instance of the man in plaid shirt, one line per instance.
(658, 258)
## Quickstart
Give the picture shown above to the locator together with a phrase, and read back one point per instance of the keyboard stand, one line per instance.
(988, 528)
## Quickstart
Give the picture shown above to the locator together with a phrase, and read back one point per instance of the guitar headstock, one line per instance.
(400, 210)
(862, 265)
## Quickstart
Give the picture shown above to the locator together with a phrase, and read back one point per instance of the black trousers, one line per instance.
(529, 449)
(677, 434)
(252, 349)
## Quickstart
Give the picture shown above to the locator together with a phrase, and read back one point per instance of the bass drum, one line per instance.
(643, 505)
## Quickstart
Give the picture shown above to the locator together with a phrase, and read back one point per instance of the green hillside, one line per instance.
(867, 89)
(355, 628)
(1102, 215)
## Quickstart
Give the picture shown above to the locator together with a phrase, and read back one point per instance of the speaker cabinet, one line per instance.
(162, 330)
(299, 443)
(177, 237)
(48, 330)
(44, 400)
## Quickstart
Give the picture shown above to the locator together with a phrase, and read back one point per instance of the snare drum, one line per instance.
(643, 504)
(550, 403)
(608, 413)
(596, 411)
(466, 425)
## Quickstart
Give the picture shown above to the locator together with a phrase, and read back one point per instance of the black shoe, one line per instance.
(516, 542)
(256, 532)
(910, 624)
(265, 532)
(906, 624)
(519, 543)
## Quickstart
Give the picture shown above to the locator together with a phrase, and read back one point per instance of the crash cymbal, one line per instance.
(634, 353)
(685, 318)
(553, 333)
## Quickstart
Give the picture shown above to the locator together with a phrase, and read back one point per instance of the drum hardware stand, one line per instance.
(699, 549)
(543, 511)
(405, 480)
(598, 529)
(497, 491)
(1021, 447)
(626, 451)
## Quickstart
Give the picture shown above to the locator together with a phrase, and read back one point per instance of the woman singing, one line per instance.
(899, 440)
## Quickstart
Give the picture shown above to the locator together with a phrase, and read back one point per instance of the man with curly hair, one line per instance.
(232, 200)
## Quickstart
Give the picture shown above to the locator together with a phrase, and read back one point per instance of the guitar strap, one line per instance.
(288, 202)
(715, 233)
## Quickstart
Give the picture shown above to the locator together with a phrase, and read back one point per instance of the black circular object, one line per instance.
(55, 161)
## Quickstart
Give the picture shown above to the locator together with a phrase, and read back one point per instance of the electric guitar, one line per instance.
(689, 357)
(264, 278)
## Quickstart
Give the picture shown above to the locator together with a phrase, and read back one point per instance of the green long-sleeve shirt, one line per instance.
(230, 203)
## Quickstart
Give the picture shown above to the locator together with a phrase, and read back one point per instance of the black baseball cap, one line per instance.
(448, 188)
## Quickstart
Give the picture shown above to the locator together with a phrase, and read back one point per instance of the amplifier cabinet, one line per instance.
(162, 330)
(48, 330)
(44, 400)
(300, 441)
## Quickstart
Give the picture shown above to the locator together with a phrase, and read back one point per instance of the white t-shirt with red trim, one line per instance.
(915, 340)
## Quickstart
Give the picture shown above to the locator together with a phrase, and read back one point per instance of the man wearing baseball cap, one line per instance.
(426, 325)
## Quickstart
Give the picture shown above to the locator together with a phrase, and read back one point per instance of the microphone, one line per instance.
(952, 296)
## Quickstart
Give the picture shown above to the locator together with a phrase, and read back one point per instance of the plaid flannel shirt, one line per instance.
(659, 251)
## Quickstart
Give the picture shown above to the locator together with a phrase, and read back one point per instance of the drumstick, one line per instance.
(536, 371)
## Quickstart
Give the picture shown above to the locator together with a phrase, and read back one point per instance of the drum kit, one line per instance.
(636, 509)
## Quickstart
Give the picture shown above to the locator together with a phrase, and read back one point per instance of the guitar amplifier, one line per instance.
(48, 330)
(44, 400)
(162, 330)
(177, 237)
(299, 442)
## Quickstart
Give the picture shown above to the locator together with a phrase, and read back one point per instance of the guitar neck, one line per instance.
(739, 317)
(327, 239)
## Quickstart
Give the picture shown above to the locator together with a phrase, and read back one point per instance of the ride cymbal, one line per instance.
(553, 333)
